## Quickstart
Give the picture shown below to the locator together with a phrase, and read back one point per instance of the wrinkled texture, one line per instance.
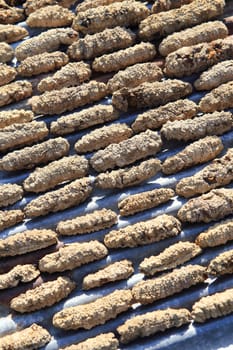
(151, 290)
(121, 59)
(67, 99)
(27, 241)
(75, 193)
(222, 264)
(33, 5)
(32, 337)
(213, 306)
(49, 176)
(144, 232)
(144, 200)
(18, 135)
(126, 13)
(7, 74)
(47, 41)
(10, 218)
(135, 75)
(15, 116)
(210, 206)
(10, 14)
(87, 4)
(130, 176)
(216, 123)
(50, 16)
(11, 33)
(41, 153)
(15, 92)
(91, 222)
(117, 271)
(19, 273)
(107, 41)
(166, 5)
(47, 294)
(42, 63)
(72, 256)
(6, 52)
(127, 152)
(173, 256)
(165, 23)
(103, 137)
(217, 174)
(104, 341)
(70, 75)
(148, 95)
(218, 74)
(198, 152)
(201, 33)
(99, 114)
(94, 313)
(216, 235)
(155, 118)
(152, 322)
(10, 194)
(218, 99)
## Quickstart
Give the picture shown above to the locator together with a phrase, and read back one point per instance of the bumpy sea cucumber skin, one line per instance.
(47, 41)
(130, 176)
(170, 258)
(144, 200)
(45, 295)
(72, 256)
(15, 116)
(20, 273)
(213, 306)
(104, 341)
(95, 313)
(91, 222)
(103, 137)
(166, 5)
(201, 33)
(144, 232)
(218, 74)
(7, 74)
(216, 123)
(117, 271)
(151, 323)
(148, 95)
(87, 4)
(99, 114)
(75, 193)
(51, 16)
(210, 206)
(135, 75)
(10, 14)
(222, 264)
(27, 241)
(126, 13)
(18, 135)
(72, 74)
(11, 33)
(42, 63)
(155, 118)
(121, 59)
(186, 16)
(42, 153)
(49, 176)
(15, 92)
(216, 174)
(10, 218)
(216, 235)
(127, 152)
(67, 99)
(33, 5)
(107, 41)
(218, 99)
(32, 337)
(6, 52)
(198, 152)
(10, 194)
(149, 291)
(197, 58)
